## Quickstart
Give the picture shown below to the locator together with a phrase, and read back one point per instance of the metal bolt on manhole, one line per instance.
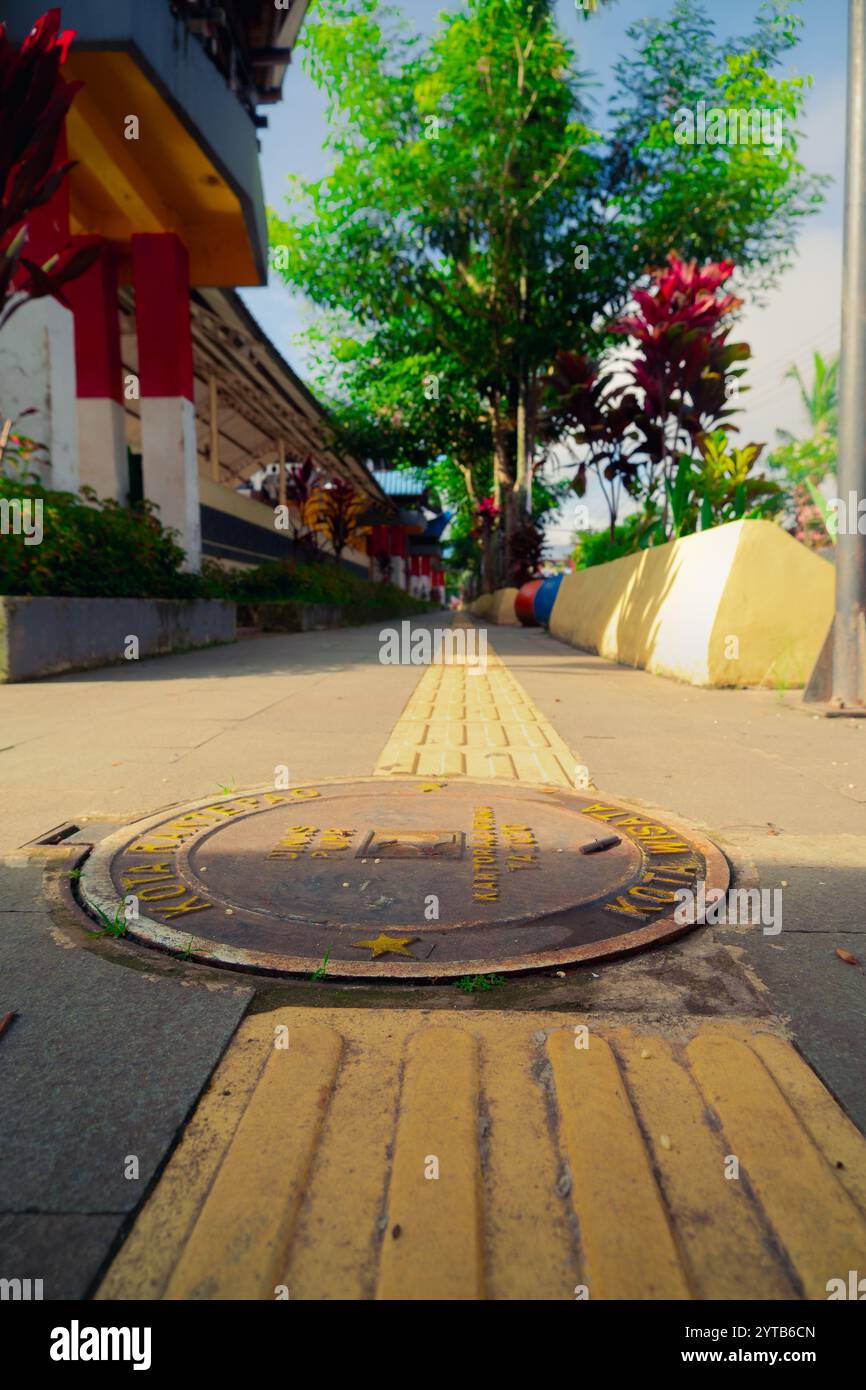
(390, 879)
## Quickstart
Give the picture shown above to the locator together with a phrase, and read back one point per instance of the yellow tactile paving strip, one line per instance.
(308, 1168)
(457, 724)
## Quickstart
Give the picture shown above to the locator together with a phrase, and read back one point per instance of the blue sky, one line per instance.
(803, 314)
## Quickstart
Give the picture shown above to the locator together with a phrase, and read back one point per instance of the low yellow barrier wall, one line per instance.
(482, 607)
(742, 604)
(497, 607)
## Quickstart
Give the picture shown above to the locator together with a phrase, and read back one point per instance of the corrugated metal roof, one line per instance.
(401, 482)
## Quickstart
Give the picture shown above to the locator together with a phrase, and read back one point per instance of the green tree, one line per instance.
(473, 224)
(740, 200)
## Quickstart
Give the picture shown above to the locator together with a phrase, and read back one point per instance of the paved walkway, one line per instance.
(598, 1160)
(125, 741)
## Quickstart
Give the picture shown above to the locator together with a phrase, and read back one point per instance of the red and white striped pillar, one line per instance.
(37, 353)
(376, 544)
(397, 546)
(414, 585)
(99, 376)
(160, 273)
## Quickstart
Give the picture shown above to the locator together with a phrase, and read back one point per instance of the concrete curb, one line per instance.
(45, 636)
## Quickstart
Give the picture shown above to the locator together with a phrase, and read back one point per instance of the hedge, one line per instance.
(94, 548)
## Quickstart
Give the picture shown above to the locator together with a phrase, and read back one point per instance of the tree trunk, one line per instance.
(488, 582)
(501, 471)
(521, 469)
(503, 485)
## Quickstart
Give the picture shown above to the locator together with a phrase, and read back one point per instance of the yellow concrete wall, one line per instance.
(741, 604)
(482, 607)
(503, 606)
(779, 600)
(497, 607)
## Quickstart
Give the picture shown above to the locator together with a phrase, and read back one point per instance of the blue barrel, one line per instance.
(545, 598)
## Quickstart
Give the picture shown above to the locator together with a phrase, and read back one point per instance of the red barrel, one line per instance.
(524, 604)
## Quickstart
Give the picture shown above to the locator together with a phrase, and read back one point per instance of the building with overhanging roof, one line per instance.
(409, 544)
(253, 414)
(158, 380)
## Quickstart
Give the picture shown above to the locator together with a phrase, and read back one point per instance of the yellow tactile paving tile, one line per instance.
(395, 1154)
(457, 724)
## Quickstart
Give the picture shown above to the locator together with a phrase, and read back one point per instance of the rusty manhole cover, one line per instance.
(402, 877)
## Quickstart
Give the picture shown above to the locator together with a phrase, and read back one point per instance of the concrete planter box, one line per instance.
(44, 636)
(291, 615)
(296, 615)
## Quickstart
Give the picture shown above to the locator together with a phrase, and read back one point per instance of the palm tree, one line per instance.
(821, 400)
(808, 461)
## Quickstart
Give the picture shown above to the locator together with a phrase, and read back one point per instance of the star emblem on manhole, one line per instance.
(382, 945)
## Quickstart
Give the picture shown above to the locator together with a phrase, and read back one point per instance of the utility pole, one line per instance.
(849, 630)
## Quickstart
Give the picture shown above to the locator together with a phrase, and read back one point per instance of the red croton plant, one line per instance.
(636, 419)
(34, 100)
(684, 360)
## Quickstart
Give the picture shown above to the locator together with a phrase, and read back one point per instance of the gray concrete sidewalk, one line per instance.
(125, 741)
(738, 760)
(99, 1070)
(113, 1043)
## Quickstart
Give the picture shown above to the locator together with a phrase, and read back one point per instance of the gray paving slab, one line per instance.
(729, 758)
(124, 741)
(99, 1070)
(65, 1252)
(103, 1062)
(825, 1001)
(21, 884)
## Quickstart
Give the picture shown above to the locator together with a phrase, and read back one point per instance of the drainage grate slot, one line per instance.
(55, 836)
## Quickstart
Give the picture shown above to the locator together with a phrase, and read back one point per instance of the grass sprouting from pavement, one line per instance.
(475, 984)
(319, 973)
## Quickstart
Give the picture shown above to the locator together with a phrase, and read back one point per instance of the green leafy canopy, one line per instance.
(465, 172)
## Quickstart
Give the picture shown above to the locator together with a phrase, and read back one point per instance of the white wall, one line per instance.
(170, 468)
(102, 447)
(37, 371)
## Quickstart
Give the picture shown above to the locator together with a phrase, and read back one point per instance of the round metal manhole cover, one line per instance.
(401, 877)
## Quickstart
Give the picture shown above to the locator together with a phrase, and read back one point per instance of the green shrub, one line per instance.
(91, 548)
(277, 581)
(95, 549)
